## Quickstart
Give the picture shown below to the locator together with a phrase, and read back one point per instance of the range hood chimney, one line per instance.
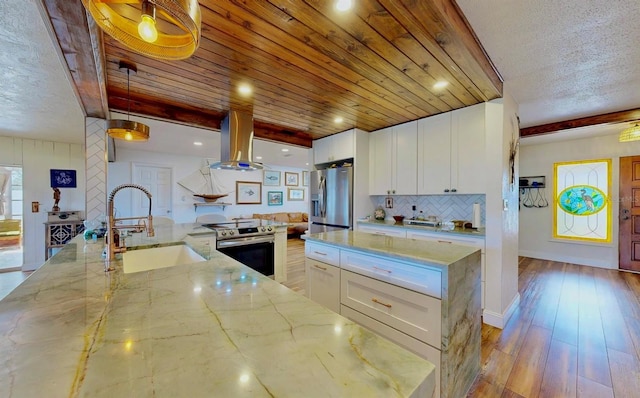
(236, 141)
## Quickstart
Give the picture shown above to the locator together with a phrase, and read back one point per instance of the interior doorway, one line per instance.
(158, 181)
(629, 234)
(11, 232)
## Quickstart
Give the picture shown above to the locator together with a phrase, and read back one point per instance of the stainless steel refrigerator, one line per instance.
(331, 199)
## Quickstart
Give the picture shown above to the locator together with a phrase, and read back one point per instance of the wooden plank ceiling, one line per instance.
(374, 66)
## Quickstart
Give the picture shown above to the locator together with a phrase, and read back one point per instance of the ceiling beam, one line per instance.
(81, 53)
(629, 115)
(201, 118)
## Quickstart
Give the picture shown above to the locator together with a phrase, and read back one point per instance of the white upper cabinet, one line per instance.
(393, 160)
(451, 152)
(334, 147)
(434, 154)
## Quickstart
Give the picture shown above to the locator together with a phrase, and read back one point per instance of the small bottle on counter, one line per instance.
(421, 216)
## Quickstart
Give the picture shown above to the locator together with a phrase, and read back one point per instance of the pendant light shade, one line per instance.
(630, 134)
(161, 29)
(126, 129)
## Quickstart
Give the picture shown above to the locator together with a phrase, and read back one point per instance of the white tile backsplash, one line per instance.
(447, 207)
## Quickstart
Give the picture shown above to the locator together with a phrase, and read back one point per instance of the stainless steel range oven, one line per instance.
(247, 241)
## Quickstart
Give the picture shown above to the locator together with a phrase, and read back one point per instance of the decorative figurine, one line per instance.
(56, 199)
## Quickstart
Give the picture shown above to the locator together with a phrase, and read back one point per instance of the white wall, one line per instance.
(37, 158)
(536, 233)
(501, 258)
(119, 172)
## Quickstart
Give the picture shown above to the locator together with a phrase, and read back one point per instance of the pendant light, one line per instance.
(630, 134)
(126, 129)
(175, 35)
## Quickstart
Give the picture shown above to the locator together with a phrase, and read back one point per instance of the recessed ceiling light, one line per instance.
(306, 164)
(440, 84)
(244, 89)
(259, 157)
(197, 143)
(338, 119)
(343, 5)
(284, 150)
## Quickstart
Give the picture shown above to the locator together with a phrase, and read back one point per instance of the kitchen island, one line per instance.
(423, 295)
(214, 328)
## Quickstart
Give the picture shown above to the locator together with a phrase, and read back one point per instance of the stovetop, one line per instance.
(240, 228)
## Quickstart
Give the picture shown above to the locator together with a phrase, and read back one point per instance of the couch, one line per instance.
(298, 221)
(10, 234)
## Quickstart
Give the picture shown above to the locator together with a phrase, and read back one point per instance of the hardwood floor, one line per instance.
(576, 333)
(295, 265)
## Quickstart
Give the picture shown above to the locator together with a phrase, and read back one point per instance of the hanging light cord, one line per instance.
(128, 95)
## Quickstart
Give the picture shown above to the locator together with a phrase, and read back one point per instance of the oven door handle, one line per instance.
(244, 241)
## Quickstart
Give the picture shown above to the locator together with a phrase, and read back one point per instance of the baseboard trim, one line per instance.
(500, 320)
(592, 262)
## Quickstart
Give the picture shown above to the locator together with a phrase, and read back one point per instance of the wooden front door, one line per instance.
(629, 235)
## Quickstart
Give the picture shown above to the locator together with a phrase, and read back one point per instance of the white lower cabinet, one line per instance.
(323, 284)
(322, 268)
(413, 313)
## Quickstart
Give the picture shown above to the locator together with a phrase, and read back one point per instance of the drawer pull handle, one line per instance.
(375, 300)
(320, 253)
(319, 267)
(444, 241)
(381, 269)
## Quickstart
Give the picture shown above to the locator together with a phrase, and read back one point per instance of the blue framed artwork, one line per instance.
(274, 198)
(63, 178)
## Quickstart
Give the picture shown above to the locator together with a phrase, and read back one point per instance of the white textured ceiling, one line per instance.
(36, 98)
(562, 59)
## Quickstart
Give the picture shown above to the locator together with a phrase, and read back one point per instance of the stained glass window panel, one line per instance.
(582, 208)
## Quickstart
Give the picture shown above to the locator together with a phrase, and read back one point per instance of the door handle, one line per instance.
(625, 214)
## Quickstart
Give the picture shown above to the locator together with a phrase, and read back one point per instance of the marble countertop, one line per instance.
(480, 232)
(215, 328)
(417, 251)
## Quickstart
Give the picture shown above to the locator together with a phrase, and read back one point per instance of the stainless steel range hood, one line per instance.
(236, 141)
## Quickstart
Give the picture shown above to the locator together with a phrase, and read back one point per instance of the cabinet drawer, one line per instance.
(323, 284)
(411, 276)
(390, 231)
(415, 314)
(416, 346)
(326, 254)
(446, 238)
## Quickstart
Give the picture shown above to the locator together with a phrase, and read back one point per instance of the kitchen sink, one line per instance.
(158, 257)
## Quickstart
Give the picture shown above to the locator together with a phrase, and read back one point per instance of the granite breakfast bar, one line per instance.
(214, 328)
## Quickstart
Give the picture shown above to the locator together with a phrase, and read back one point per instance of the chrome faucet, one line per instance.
(113, 244)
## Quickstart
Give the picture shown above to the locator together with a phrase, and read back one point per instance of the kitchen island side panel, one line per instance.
(461, 328)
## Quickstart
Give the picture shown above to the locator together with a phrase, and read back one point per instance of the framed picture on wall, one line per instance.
(274, 198)
(305, 178)
(291, 179)
(271, 178)
(248, 193)
(63, 178)
(295, 194)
